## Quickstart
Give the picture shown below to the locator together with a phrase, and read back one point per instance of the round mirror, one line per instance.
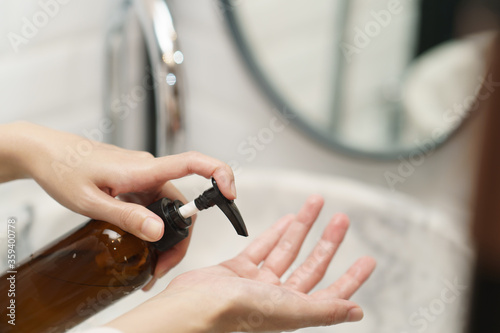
(373, 78)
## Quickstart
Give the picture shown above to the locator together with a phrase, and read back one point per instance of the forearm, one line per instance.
(14, 151)
(181, 312)
(29, 151)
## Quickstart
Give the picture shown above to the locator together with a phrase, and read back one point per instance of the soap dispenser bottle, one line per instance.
(88, 269)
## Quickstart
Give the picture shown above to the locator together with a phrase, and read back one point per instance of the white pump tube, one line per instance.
(188, 209)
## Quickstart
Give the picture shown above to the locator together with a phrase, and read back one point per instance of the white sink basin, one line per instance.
(420, 253)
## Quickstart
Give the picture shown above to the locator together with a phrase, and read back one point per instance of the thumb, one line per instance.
(131, 217)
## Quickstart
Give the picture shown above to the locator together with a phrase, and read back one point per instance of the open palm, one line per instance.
(252, 281)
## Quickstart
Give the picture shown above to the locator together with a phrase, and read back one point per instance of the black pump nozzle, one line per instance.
(177, 217)
(213, 196)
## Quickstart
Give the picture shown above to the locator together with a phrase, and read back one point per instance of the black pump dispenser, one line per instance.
(213, 196)
(177, 224)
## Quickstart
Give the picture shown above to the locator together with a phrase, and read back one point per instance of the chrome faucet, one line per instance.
(143, 100)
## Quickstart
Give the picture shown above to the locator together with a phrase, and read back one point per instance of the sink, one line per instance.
(422, 278)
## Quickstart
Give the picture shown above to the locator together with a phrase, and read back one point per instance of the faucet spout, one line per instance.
(143, 91)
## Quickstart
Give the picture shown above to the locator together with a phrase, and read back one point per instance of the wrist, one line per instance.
(14, 151)
(186, 312)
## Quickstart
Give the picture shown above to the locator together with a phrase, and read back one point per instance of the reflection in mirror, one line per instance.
(370, 77)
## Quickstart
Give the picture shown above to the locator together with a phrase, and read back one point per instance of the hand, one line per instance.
(87, 176)
(246, 292)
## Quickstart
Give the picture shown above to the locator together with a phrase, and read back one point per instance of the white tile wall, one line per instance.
(55, 78)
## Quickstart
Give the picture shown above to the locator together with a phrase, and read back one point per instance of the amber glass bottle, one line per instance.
(93, 266)
(76, 277)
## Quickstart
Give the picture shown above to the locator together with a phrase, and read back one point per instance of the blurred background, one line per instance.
(373, 104)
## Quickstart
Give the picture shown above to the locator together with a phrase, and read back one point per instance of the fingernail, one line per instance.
(152, 228)
(355, 314)
(149, 285)
(337, 219)
(283, 222)
(163, 272)
(233, 189)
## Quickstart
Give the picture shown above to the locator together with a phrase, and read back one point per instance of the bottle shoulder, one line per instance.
(97, 253)
(120, 253)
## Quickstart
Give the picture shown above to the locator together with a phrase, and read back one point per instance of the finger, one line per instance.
(150, 284)
(330, 312)
(287, 248)
(170, 191)
(313, 269)
(170, 258)
(167, 190)
(350, 282)
(260, 248)
(315, 312)
(131, 217)
(177, 166)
